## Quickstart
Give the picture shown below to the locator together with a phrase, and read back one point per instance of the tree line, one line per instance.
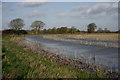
(17, 24)
(61, 30)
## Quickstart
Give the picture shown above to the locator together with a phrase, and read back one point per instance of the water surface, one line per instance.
(108, 57)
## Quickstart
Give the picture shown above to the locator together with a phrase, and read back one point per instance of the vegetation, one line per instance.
(16, 24)
(91, 27)
(13, 32)
(37, 25)
(100, 30)
(21, 63)
(61, 30)
(95, 36)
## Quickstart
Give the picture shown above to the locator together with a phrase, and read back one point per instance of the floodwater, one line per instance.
(88, 40)
(107, 57)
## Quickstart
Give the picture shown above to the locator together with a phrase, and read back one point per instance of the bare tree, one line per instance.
(37, 25)
(16, 24)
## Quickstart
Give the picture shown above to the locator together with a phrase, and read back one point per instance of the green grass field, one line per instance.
(20, 63)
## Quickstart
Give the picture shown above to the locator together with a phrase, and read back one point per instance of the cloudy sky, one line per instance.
(57, 14)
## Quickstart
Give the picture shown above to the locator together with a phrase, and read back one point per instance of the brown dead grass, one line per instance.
(96, 36)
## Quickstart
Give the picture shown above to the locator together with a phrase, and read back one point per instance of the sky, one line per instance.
(58, 14)
(59, 0)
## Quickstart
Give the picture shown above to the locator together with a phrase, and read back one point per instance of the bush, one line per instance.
(16, 32)
(9, 31)
(20, 32)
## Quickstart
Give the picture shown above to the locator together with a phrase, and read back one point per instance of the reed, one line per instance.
(105, 37)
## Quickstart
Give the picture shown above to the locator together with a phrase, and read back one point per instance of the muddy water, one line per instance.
(96, 55)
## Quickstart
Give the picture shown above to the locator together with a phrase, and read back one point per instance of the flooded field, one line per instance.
(96, 36)
(95, 55)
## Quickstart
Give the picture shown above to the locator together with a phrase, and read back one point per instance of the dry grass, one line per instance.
(96, 36)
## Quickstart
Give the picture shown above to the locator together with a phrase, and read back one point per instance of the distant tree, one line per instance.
(16, 24)
(72, 30)
(49, 30)
(58, 30)
(53, 30)
(37, 25)
(106, 30)
(63, 30)
(77, 30)
(44, 31)
(91, 27)
(100, 30)
(118, 31)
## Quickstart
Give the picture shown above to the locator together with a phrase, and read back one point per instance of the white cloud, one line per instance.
(115, 5)
(30, 4)
(80, 7)
(36, 13)
(96, 11)
(100, 10)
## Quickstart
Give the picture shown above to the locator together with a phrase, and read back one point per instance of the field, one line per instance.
(18, 62)
(100, 39)
(94, 36)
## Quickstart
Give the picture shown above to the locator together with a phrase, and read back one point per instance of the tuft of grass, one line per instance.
(20, 63)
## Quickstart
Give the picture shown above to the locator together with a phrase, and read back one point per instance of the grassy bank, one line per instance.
(20, 63)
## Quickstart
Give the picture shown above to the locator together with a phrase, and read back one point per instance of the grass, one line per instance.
(20, 63)
(90, 36)
(96, 36)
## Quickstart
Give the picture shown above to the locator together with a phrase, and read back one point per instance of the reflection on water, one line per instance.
(96, 55)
